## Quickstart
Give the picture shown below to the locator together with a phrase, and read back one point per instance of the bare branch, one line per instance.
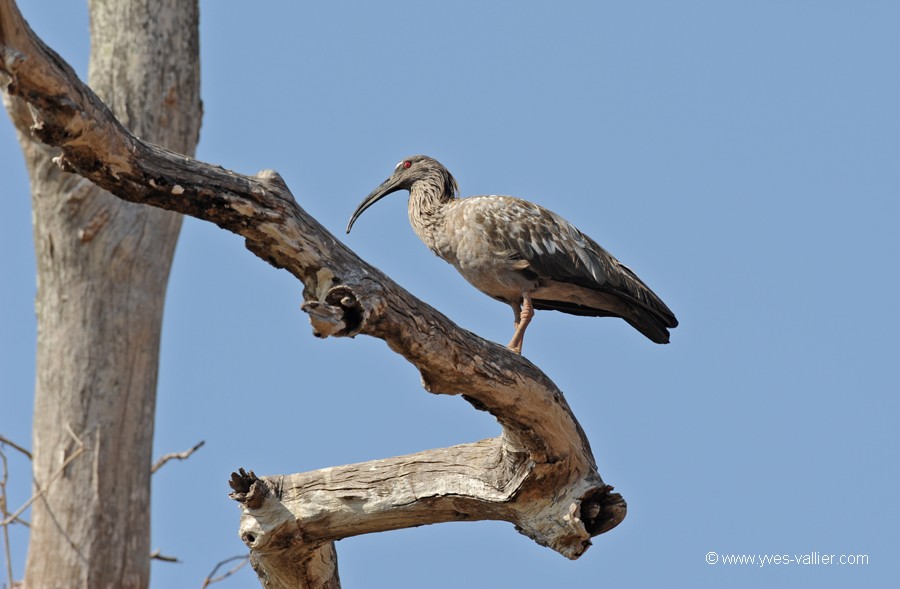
(212, 578)
(156, 555)
(176, 456)
(78, 452)
(4, 513)
(14, 446)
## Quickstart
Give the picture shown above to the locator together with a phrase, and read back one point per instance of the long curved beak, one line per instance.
(390, 185)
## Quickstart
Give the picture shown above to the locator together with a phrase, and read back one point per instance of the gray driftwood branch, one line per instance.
(539, 474)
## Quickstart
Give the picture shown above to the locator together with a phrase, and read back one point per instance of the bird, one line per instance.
(520, 253)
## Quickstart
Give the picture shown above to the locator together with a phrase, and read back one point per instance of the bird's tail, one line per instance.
(651, 317)
(645, 311)
(652, 324)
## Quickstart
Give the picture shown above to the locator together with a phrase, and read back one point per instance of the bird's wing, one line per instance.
(556, 250)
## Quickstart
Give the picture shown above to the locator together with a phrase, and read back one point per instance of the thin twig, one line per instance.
(210, 579)
(10, 518)
(13, 445)
(155, 555)
(175, 455)
(4, 513)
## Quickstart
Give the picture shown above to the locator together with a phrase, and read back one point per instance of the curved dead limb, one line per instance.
(539, 474)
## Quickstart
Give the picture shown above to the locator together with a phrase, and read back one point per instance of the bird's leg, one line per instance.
(523, 318)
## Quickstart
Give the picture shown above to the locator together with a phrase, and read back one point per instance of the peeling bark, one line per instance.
(540, 474)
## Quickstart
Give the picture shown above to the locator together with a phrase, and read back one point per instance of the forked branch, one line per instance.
(539, 474)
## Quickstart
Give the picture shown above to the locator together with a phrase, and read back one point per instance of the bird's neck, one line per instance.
(427, 199)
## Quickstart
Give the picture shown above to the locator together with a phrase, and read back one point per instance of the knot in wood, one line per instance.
(338, 314)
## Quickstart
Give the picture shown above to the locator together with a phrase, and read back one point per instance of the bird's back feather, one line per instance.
(581, 277)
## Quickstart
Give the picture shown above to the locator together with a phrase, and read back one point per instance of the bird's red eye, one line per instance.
(407, 164)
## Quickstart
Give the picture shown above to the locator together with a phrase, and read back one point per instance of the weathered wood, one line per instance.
(540, 474)
(102, 266)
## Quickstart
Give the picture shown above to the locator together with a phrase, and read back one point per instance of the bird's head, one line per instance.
(417, 168)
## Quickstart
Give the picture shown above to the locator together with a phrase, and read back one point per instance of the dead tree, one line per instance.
(539, 474)
(100, 319)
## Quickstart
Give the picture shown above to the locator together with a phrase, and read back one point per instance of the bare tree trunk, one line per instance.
(102, 267)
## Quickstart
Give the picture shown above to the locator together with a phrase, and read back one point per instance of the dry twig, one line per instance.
(78, 452)
(156, 555)
(175, 455)
(211, 578)
(4, 513)
(14, 446)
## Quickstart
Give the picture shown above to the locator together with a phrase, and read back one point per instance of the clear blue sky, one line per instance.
(742, 157)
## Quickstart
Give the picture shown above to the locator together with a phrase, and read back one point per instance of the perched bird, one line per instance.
(520, 253)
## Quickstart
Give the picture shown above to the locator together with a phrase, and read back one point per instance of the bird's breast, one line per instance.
(467, 238)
